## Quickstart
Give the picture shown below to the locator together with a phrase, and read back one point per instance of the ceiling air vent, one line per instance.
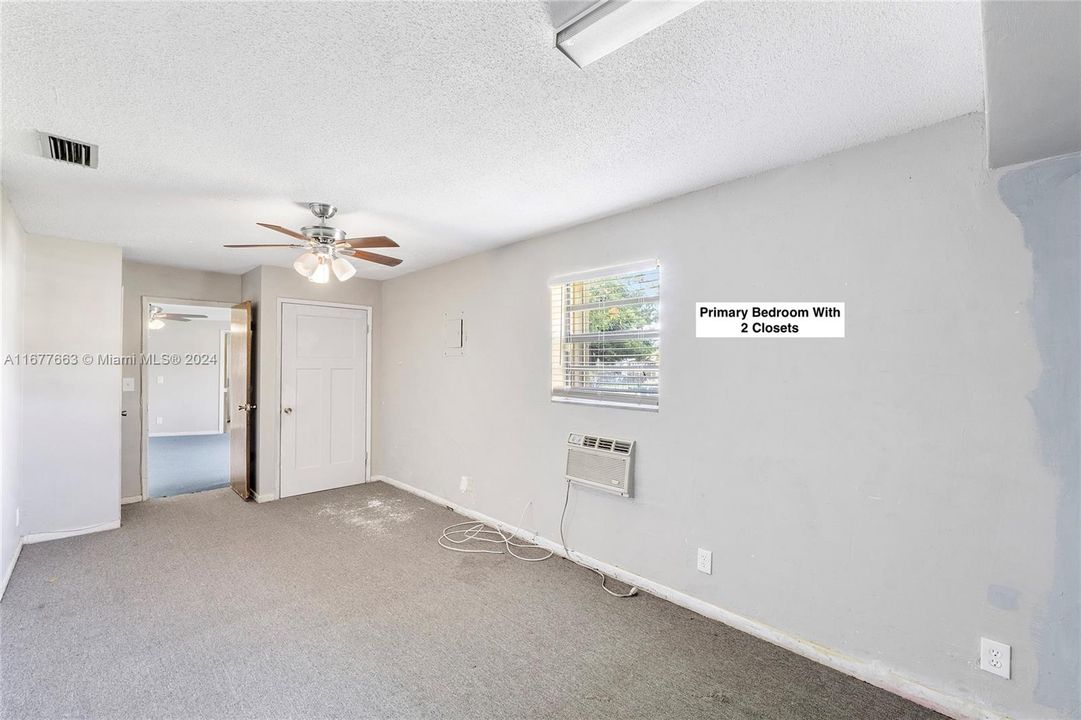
(68, 150)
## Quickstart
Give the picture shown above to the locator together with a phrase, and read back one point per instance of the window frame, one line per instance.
(559, 311)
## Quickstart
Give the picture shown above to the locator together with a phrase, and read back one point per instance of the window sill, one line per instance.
(606, 403)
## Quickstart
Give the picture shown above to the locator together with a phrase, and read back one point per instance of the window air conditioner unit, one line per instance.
(603, 463)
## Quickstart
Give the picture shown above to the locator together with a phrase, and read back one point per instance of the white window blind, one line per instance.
(606, 336)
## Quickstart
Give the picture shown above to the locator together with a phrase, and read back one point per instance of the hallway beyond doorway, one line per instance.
(187, 463)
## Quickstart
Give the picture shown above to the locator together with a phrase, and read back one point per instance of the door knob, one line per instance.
(287, 411)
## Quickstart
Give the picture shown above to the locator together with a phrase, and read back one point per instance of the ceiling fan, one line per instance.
(158, 316)
(327, 248)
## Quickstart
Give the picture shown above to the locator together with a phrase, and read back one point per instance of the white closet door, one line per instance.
(324, 399)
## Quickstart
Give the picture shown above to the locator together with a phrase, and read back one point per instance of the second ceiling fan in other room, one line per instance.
(328, 249)
(158, 316)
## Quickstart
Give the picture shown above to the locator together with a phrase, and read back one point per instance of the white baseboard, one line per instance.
(875, 673)
(47, 536)
(10, 569)
(130, 500)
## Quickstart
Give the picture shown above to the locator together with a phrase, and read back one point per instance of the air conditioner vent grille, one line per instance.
(604, 463)
(602, 443)
(69, 151)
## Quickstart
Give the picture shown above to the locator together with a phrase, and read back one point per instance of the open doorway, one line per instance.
(185, 346)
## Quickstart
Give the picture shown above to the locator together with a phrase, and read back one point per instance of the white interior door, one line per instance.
(324, 397)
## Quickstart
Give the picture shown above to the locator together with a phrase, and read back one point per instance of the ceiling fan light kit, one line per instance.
(306, 264)
(327, 248)
(321, 274)
(343, 269)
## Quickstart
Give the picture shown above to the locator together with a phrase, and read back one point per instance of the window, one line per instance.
(606, 336)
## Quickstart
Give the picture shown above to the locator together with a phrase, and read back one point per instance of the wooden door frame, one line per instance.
(367, 391)
(144, 376)
(241, 316)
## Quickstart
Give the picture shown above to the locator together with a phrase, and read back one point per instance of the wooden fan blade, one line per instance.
(290, 245)
(279, 228)
(370, 242)
(373, 257)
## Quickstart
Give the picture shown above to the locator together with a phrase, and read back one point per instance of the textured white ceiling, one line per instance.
(452, 127)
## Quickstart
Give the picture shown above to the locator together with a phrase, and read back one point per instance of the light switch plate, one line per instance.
(129, 384)
(453, 334)
(705, 561)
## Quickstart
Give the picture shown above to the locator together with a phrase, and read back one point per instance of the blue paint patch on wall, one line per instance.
(187, 463)
(1046, 198)
(1004, 597)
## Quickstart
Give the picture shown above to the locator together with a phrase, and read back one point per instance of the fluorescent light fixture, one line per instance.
(611, 24)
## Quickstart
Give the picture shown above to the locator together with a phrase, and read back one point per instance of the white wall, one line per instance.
(12, 248)
(71, 414)
(1033, 73)
(188, 396)
(265, 286)
(882, 496)
(144, 279)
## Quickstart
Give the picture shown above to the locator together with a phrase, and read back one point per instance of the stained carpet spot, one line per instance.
(372, 514)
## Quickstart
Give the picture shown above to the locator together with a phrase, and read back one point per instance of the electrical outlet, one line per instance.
(161, 420)
(463, 485)
(995, 657)
(705, 561)
(161, 379)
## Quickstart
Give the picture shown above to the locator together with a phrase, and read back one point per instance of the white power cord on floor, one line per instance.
(604, 578)
(455, 536)
(467, 532)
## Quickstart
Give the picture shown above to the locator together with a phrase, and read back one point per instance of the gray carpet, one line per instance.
(341, 605)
